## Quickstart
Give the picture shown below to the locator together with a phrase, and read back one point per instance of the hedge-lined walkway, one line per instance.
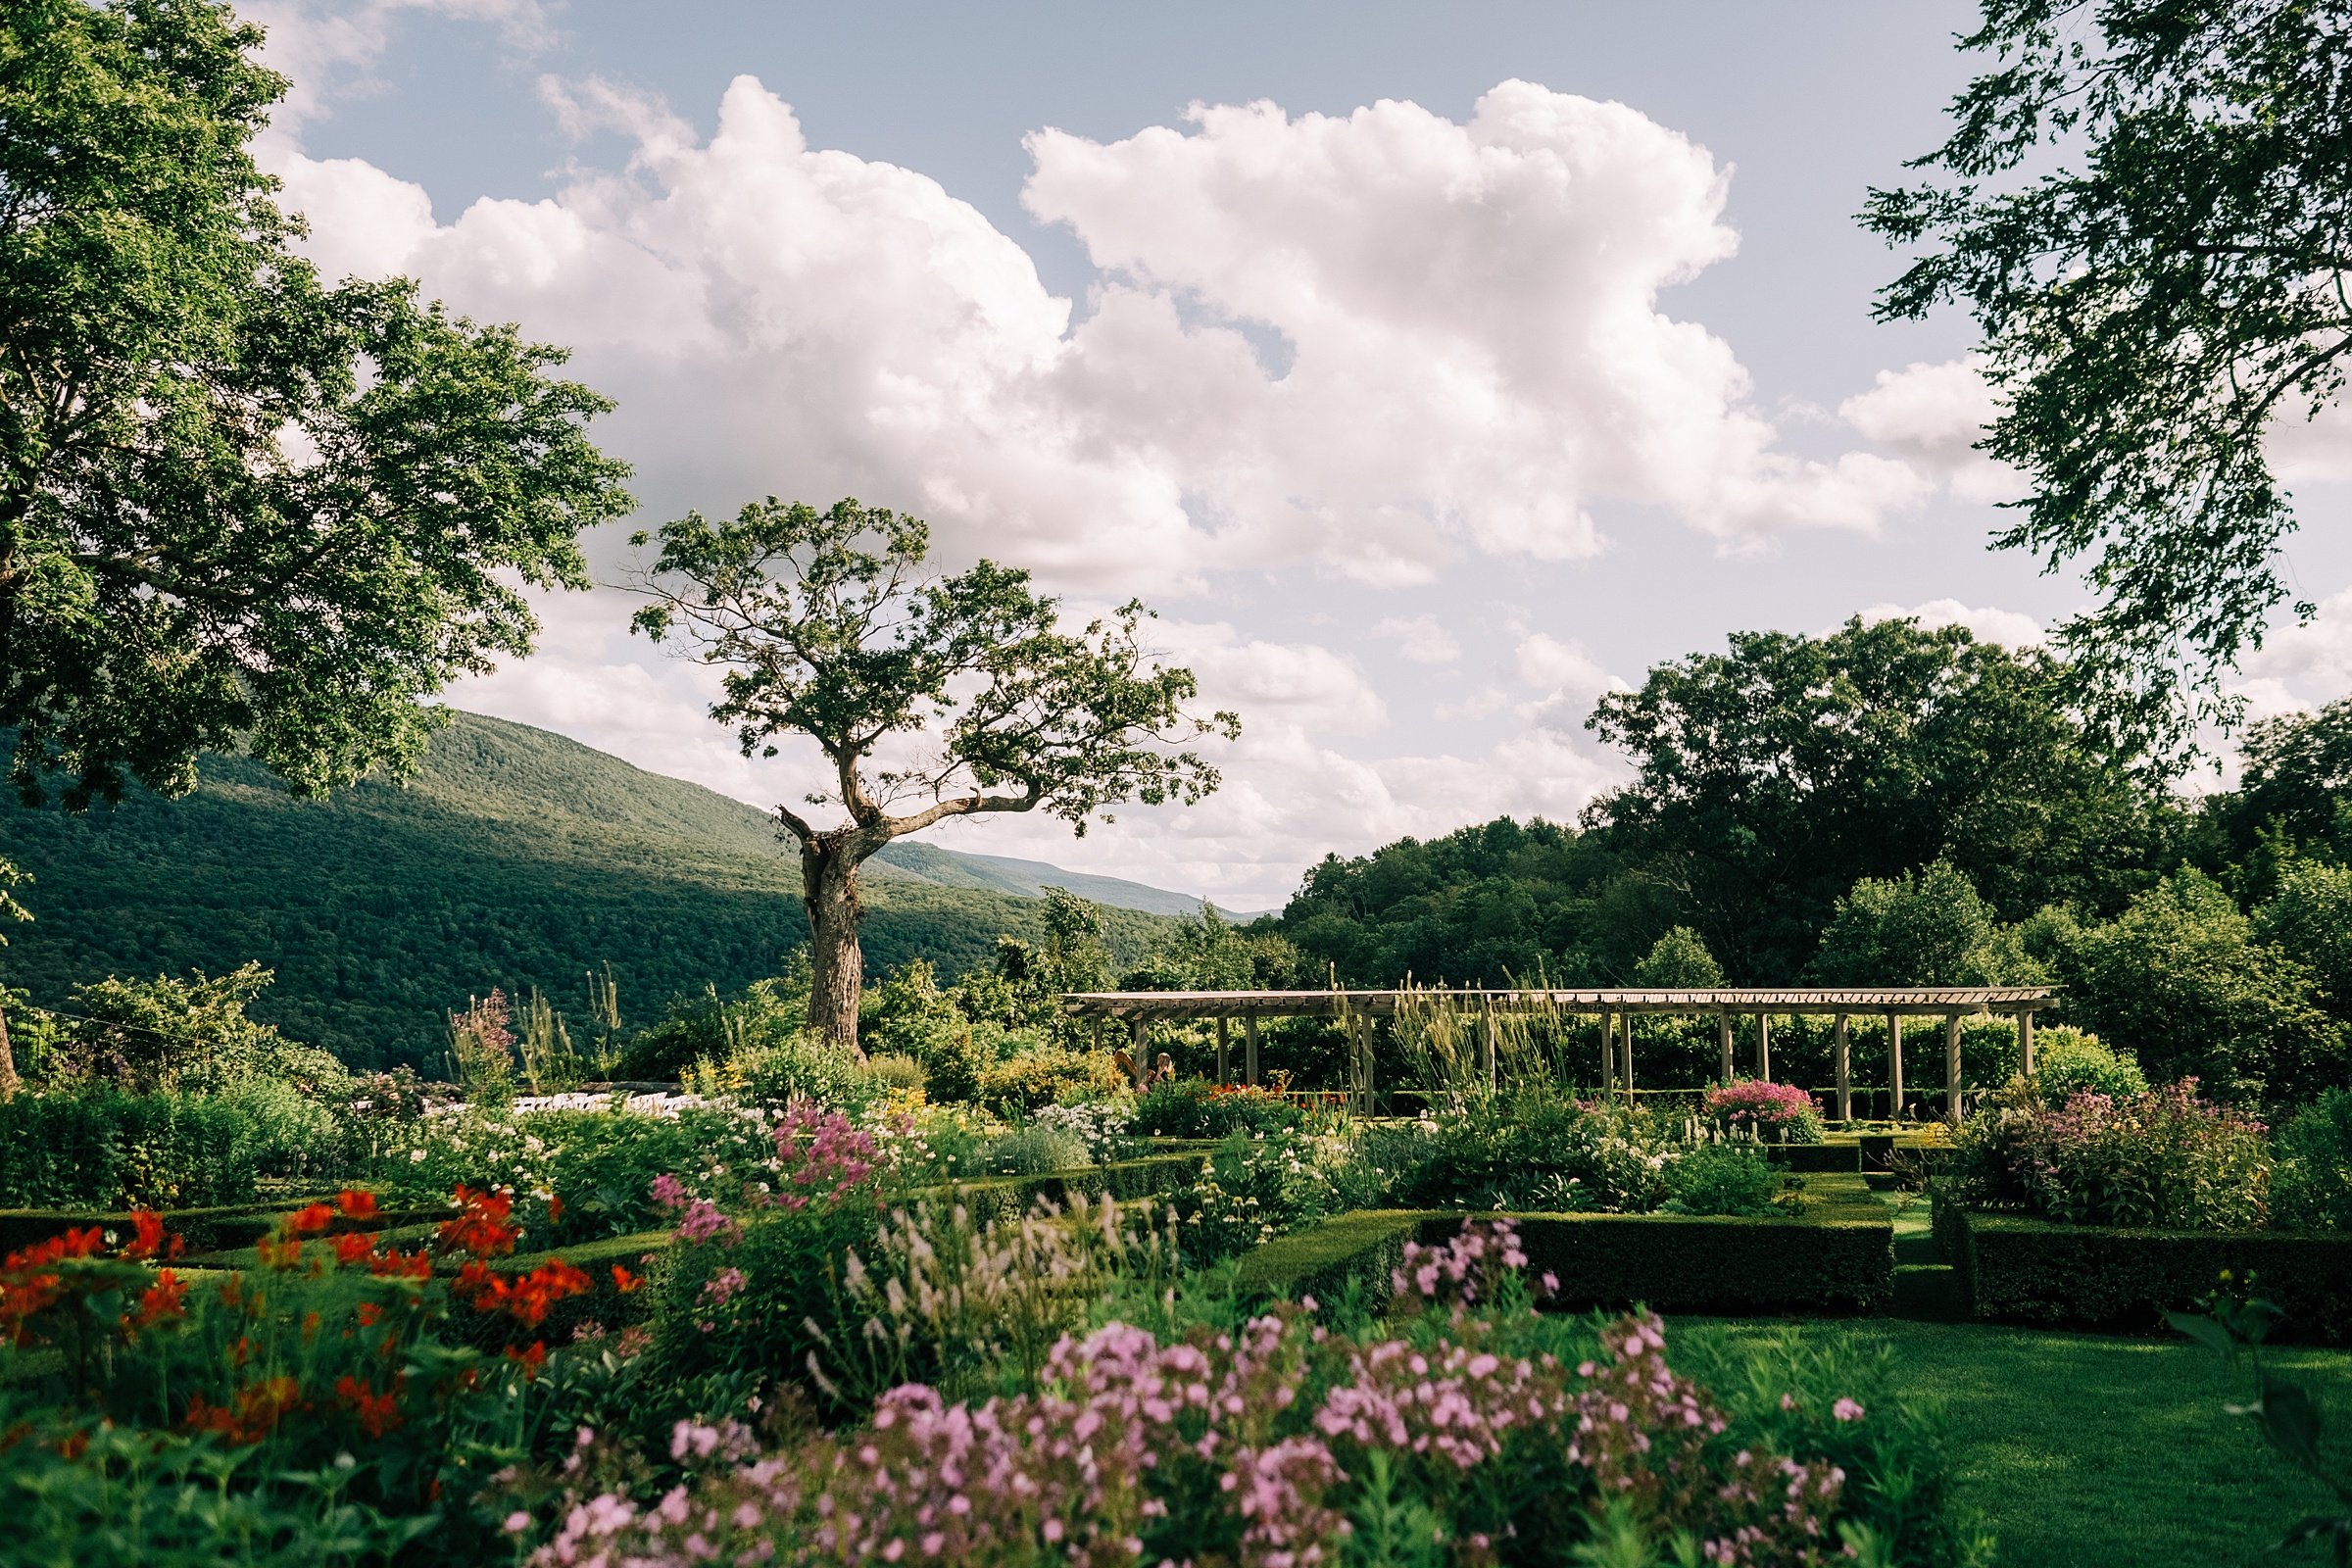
(2090, 1450)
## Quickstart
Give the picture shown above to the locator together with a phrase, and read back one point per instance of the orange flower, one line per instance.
(351, 1246)
(166, 1298)
(310, 1326)
(310, 1219)
(355, 1203)
(625, 1282)
(253, 1414)
(378, 1413)
(555, 1207)
(417, 1265)
(149, 1239)
(530, 1359)
(484, 1227)
(371, 1314)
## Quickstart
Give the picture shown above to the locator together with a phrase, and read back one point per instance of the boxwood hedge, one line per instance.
(2015, 1269)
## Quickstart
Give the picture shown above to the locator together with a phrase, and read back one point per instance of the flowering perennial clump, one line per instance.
(1753, 1105)
(1250, 1448)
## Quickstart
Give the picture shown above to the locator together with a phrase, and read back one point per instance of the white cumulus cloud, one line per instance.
(2011, 629)
(1933, 415)
(1421, 639)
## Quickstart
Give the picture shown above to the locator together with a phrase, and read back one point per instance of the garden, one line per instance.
(975, 1297)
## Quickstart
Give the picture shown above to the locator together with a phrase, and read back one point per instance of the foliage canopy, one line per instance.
(2155, 307)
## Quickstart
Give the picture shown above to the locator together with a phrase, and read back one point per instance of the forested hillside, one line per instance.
(514, 858)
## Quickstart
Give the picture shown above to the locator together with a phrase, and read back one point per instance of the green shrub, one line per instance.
(2015, 1269)
(1536, 1151)
(2163, 1159)
(1029, 1151)
(782, 1070)
(2069, 1062)
(103, 1150)
(2311, 1188)
(1194, 1107)
(1838, 1254)
(1723, 1179)
(1046, 1076)
(890, 1069)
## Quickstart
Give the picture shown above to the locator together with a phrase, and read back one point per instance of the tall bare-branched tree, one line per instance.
(828, 626)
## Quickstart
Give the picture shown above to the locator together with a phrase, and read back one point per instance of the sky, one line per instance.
(1429, 370)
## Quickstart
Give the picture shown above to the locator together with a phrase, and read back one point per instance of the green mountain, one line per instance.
(1029, 879)
(514, 858)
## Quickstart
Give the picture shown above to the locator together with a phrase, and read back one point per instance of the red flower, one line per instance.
(555, 1208)
(166, 1298)
(149, 1239)
(310, 1219)
(351, 1246)
(378, 1413)
(280, 1251)
(417, 1265)
(371, 1314)
(355, 1203)
(530, 1359)
(484, 1227)
(625, 1282)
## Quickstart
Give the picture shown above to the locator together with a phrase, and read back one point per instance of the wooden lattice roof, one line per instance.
(1937, 1000)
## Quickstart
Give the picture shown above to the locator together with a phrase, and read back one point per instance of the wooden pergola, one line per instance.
(1615, 1009)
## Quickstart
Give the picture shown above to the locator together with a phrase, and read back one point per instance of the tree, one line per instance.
(827, 626)
(2155, 307)
(2181, 980)
(1679, 961)
(2296, 785)
(1923, 929)
(238, 507)
(2310, 919)
(1772, 778)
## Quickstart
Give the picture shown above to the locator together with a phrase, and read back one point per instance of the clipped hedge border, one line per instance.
(1837, 1256)
(2020, 1270)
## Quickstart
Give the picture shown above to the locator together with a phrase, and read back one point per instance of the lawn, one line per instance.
(2083, 1450)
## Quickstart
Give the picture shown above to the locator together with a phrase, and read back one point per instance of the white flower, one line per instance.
(416, 1157)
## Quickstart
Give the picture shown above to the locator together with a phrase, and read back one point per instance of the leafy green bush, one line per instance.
(1538, 1152)
(889, 1069)
(1028, 1151)
(2311, 1188)
(103, 1150)
(1723, 1179)
(1256, 1185)
(781, 1070)
(2163, 1159)
(2069, 1062)
(1046, 1075)
(1194, 1107)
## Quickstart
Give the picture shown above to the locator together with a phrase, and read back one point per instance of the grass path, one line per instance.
(2089, 1450)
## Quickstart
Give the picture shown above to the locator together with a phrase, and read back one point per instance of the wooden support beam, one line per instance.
(1722, 1046)
(1951, 1068)
(2025, 1042)
(1249, 1047)
(1135, 1048)
(1627, 1070)
(1844, 1066)
(1608, 1052)
(1894, 1066)
(1224, 1054)
(1097, 1034)
(1764, 1046)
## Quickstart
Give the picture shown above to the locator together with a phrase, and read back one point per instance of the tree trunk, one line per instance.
(829, 893)
(10, 1083)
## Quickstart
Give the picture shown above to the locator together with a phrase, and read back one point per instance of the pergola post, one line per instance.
(1224, 1057)
(1894, 1066)
(1097, 1034)
(1625, 1028)
(1608, 1052)
(1360, 1028)
(1723, 1044)
(1135, 1048)
(1249, 1049)
(1951, 1068)
(2025, 1042)
(1844, 1062)
(1764, 1047)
